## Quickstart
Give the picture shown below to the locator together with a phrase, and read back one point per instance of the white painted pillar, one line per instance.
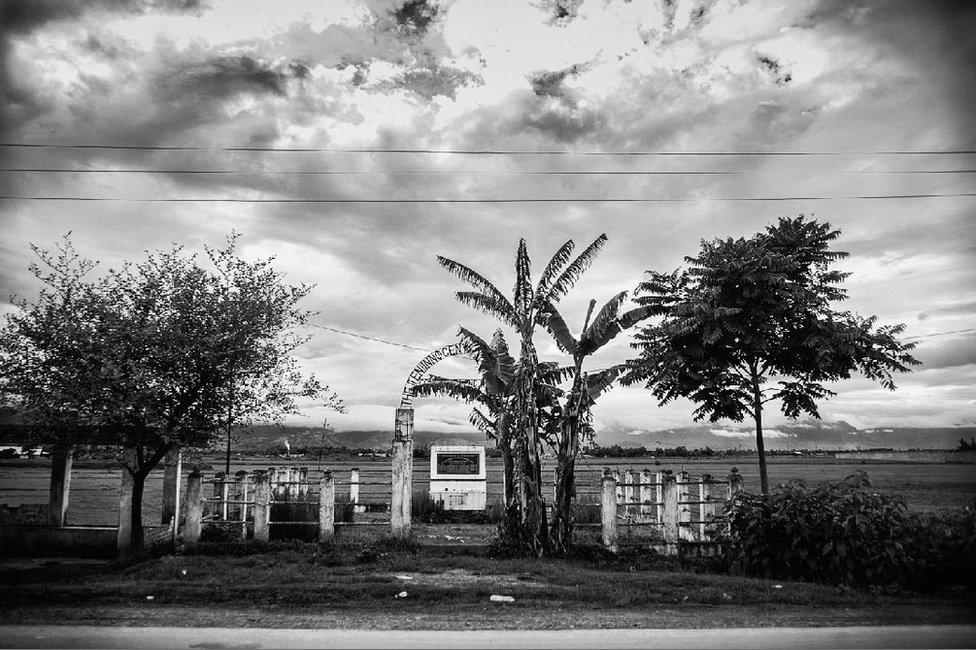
(61, 459)
(608, 511)
(327, 508)
(401, 487)
(669, 495)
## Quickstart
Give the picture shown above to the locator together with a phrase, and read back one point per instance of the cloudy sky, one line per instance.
(565, 76)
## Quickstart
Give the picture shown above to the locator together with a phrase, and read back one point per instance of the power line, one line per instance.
(412, 347)
(869, 197)
(45, 170)
(368, 338)
(926, 336)
(482, 152)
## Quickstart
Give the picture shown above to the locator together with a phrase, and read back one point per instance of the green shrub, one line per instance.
(942, 549)
(221, 534)
(845, 533)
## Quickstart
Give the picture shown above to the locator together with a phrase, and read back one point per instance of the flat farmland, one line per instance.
(94, 492)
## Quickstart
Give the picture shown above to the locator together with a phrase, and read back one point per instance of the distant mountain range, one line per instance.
(262, 438)
(804, 434)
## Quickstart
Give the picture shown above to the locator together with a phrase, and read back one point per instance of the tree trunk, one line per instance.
(760, 447)
(528, 467)
(138, 463)
(561, 529)
(135, 514)
(510, 503)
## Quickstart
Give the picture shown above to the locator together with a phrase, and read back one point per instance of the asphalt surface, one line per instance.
(76, 636)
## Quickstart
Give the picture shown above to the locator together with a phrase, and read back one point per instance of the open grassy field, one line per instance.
(386, 586)
(94, 491)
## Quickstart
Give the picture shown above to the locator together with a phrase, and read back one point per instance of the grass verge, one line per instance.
(304, 585)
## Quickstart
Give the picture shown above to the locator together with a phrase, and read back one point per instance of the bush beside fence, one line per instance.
(846, 533)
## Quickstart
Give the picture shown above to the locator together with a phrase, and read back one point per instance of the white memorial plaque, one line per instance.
(458, 476)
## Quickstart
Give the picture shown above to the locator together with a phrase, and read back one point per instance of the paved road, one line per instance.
(55, 636)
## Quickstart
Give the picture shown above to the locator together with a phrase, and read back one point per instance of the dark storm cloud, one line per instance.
(404, 36)
(21, 16)
(19, 100)
(562, 12)
(560, 122)
(415, 16)
(772, 64)
(223, 77)
(429, 82)
(184, 95)
(550, 83)
(936, 38)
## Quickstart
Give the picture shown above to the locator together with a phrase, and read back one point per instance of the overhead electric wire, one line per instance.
(482, 152)
(926, 336)
(242, 172)
(368, 338)
(869, 197)
(419, 349)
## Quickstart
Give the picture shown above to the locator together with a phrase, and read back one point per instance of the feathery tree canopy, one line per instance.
(752, 321)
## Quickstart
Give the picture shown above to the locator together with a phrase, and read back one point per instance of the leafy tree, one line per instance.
(573, 418)
(156, 355)
(524, 313)
(751, 321)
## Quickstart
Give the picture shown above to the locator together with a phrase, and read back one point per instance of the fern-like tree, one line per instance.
(752, 321)
(524, 313)
(573, 416)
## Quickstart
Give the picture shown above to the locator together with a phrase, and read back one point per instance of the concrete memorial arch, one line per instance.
(402, 480)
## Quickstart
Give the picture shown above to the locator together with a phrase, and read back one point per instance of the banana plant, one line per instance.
(573, 416)
(492, 393)
(524, 313)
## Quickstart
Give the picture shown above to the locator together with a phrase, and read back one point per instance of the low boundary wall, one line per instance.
(70, 541)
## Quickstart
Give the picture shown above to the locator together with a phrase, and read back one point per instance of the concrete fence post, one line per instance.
(706, 509)
(669, 495)
(240, 495)
(646, 494)
(239, 510)
(608, 511)
(327, 508)
(401, 489)
(272, 474)
(262, 506)
(61, 458)
(659, 494)
(172, 477)
(629, 499)
(212, 505)
(194, 508)
(293, 490)
(735, 482)
(354, 487)
(685, 530)
(618, 479)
